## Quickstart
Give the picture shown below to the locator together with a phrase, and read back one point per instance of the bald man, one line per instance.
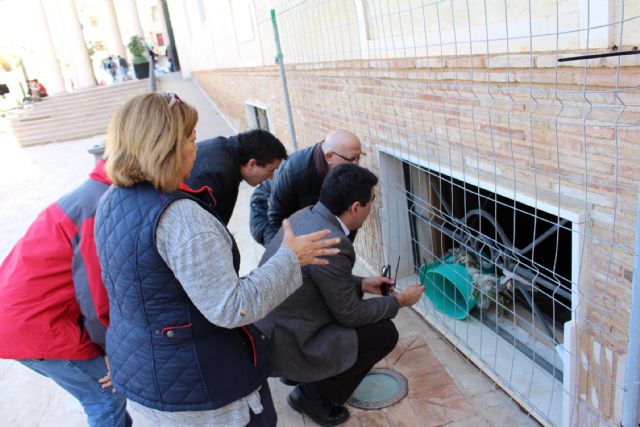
(298, 180)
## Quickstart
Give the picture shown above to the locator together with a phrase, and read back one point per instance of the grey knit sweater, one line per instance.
(197, 248)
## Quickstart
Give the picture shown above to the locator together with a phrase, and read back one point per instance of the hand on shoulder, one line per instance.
(309, 247)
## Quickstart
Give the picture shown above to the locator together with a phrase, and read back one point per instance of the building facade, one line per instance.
(491, 139)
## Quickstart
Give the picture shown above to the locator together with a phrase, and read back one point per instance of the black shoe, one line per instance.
(321, 411)
(288, 382)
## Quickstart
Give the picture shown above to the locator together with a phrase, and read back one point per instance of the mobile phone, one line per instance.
(386, 272)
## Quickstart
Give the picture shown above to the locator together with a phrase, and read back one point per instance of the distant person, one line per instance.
(297, 182)
(152, 54)
(112, 68)
(41, 89)
(222, 163)
(124, 68)
(54, 309)
(169, 55)
(325, 335)
(34, 90)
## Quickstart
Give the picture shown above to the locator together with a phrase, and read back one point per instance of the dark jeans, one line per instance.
(268, 417)
(375, 341)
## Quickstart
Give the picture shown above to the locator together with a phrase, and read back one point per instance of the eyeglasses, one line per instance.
(354, 159)
(174, 99)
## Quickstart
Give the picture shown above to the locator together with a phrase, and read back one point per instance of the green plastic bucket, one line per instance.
(449, 287)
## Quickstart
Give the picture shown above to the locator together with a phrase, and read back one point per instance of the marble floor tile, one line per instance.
(418, 367)
(402, 414)
(433, 414)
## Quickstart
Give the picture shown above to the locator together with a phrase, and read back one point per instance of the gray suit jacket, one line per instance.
(312, 331)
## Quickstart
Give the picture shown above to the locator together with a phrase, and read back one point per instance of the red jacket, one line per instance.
(53, 304)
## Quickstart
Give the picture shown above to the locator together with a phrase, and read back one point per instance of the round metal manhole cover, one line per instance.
(379, 389)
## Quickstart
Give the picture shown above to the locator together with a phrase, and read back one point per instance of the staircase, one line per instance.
(68, 116)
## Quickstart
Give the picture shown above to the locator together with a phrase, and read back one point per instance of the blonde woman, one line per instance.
(181, 342)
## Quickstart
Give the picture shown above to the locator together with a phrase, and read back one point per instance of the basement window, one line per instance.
(257, 116)
(514, 261)
(528, 249)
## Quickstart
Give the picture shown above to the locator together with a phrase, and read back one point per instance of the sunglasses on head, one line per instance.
(174, 99)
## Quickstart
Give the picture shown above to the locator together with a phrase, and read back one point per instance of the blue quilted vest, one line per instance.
(164, 354)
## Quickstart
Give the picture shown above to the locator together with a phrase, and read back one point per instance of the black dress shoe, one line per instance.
(288, 382)
(321, 411)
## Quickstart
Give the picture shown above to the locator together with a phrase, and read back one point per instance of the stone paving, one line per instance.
(444, 388)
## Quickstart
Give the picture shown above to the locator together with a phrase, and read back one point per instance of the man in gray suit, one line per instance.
(325, 335)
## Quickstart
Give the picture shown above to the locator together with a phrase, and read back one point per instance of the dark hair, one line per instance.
(260, 145)
(346, 184)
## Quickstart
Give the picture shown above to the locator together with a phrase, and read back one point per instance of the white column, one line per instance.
(595, 14)
(129, 19)
(78, 53)
(163, 24)
(53, 81)
(180, 24)
(256, 31)
(363, 28)
(114, 39)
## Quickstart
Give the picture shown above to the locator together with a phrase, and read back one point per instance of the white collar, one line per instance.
(344, 227)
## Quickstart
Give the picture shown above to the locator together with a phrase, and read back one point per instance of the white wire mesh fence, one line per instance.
(508, 178)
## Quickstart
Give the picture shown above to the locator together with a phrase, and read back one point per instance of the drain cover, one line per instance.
(379, 389)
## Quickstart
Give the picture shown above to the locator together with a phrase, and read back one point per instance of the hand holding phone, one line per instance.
(386, 272)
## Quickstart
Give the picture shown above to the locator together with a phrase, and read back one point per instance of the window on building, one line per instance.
(503, 235)
(500, 272)
(257, 116)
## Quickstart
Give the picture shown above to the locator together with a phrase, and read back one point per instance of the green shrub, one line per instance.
(138, 50)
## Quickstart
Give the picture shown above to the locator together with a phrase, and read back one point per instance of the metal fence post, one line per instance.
(153, 86)
(283, 79)
(632, 373)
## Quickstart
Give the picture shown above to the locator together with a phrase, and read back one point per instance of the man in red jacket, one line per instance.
(54, 309)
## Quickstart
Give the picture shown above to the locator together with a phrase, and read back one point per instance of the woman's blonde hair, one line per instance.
(144, 141)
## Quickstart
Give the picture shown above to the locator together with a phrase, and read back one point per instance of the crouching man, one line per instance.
(325, 335)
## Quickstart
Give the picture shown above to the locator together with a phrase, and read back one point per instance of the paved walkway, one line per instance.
(444, 389)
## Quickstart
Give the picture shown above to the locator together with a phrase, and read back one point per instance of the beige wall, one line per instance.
(541, 146)
(225, 33)
(556, 133)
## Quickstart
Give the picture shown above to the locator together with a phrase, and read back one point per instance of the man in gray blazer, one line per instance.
(325, 335)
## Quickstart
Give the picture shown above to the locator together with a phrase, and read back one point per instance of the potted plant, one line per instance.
(140, 62)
